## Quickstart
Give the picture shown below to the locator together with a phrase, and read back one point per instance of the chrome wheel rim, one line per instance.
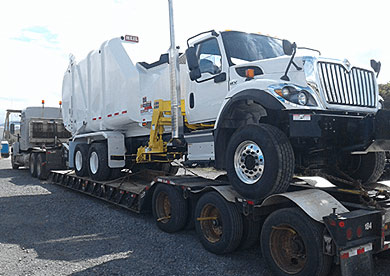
(249, 162)
(79, 161)
(94, 162)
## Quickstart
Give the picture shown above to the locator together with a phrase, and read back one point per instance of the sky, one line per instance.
(36, 37)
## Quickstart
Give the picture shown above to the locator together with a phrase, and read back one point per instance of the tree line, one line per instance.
(384, 91)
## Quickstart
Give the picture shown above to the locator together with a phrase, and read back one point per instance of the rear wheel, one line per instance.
(98, 162)
(260, 161)
(81, 159)
(33, 164)
(292, 244)
(170, 209)
(42, 170)
(218, 224)
(366, 168)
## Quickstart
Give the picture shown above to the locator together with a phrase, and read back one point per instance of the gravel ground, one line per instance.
(48, 230)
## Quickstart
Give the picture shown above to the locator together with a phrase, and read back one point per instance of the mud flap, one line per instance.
(356, 265)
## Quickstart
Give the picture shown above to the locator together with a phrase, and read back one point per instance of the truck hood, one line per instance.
(337, 84)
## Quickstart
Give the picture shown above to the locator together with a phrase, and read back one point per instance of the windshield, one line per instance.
(244, 47)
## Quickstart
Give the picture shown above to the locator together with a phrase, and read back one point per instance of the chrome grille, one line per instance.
(356, 87)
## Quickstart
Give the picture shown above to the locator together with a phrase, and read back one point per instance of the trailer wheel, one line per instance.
(291, 244)
(170, 209)
(13, 164)
(260, 161)
(367, 168)
(218, 224)
(81, 159)
(42, 171)
(251, 233)
(98, 164)
(33, 164)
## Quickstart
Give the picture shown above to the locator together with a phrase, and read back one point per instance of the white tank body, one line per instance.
(107, 91)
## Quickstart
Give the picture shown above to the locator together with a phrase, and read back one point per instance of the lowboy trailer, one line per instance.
(303, 231)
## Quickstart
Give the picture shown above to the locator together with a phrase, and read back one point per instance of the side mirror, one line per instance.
(376, 66)
(193, 64)
(288, 47)
(12, 129)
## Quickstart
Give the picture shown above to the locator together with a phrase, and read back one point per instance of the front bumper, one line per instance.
(343, 130)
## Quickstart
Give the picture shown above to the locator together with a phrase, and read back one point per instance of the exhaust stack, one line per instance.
(174, 72)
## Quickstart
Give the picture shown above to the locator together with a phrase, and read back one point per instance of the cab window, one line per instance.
(209, 55)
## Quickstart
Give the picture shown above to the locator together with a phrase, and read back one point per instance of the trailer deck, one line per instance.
(340, 210)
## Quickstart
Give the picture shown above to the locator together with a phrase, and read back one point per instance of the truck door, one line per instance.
(205, 96)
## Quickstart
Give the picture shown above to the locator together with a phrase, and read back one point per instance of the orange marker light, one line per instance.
(43, 101)
(60, 102)
(250, 73)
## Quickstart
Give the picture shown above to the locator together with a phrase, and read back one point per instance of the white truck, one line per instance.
(40, 143)
(244, 103)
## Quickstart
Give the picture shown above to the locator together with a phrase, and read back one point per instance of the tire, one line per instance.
(42, 170)
(272, 174)
(33, 164)
(366, 168)
(13, 164)
(292, 243)
(218, 224)
(170, 209)
(80, 159)
(251, 233)
(98, 162)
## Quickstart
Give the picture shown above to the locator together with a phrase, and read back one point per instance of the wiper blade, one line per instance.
(310, 49)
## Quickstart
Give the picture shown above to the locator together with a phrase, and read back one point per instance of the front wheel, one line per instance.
(260, 161)
(13, 164)
(292, 244)
(33, 164)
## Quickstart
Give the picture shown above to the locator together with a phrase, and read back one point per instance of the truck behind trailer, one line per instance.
(41, 142)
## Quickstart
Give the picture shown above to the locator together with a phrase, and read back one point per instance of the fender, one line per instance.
(261, 97)
(315, 203)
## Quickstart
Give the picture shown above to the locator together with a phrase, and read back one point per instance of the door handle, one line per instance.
(192, 100)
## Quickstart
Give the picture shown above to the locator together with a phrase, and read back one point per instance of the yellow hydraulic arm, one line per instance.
(156, 150)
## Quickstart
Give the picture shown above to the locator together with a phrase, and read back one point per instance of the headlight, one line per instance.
(285, 91)
(302, 98)
(296, 95)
